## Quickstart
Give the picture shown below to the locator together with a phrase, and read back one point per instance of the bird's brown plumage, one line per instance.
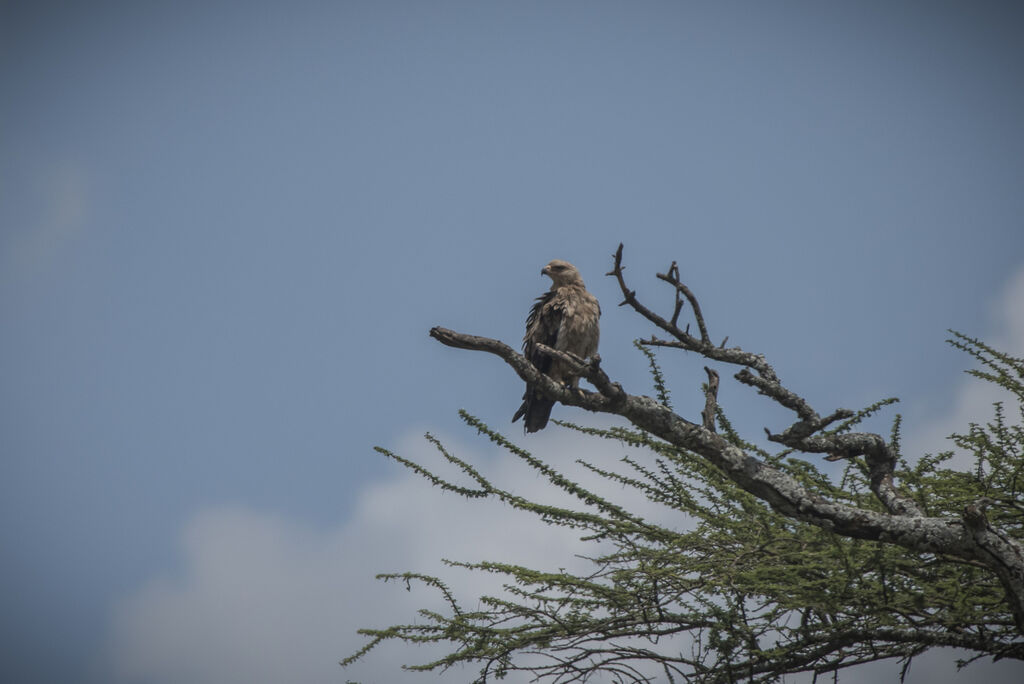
(563, 318)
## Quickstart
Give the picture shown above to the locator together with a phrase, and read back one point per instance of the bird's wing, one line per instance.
(542, 327)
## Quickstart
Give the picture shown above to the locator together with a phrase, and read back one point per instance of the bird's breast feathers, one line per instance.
(578, 329)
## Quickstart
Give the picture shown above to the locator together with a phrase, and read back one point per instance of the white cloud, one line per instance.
(261, 598)
(972, 400)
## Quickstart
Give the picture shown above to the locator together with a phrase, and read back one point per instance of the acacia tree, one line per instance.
(787, 569)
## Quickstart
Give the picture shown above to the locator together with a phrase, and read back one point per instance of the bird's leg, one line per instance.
(566, 380)
(565, 367)
(573, 384)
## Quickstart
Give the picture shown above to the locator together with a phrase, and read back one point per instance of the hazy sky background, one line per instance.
(225, 229)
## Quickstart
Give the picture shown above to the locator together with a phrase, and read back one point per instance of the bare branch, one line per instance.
(683, 339)
(672, 277)
(771, 387)
(710, 400)
(880, 459)
(610, 393)
(780, 490)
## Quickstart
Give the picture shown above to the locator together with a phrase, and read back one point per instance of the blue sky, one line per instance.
(225, 230)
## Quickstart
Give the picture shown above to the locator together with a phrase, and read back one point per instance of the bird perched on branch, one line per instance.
(563, 318)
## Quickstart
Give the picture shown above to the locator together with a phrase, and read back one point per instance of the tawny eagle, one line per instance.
(563, 318)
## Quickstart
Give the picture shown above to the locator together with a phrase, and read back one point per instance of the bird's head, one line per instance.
(562, 273)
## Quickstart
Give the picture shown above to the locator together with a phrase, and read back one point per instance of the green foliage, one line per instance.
(736, 591)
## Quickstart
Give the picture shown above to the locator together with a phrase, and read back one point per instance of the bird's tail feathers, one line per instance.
(536, 410)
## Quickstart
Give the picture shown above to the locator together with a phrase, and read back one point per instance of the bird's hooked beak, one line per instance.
(545, 271)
